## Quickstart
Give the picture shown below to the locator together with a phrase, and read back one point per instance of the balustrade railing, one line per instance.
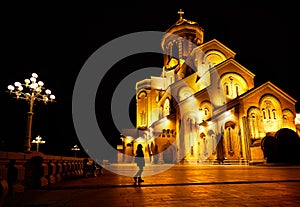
(34, 170)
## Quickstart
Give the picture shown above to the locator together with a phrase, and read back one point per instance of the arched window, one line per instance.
(229, 131)
(184, 93)
(143, 118)
(254, 122)
(237, 90)
(274, 113)
(233, 85)
(272, 107)
(269, 113)
(288, 119)
(215, 57)
(229, 134)
(226, 89)
(232, 90)
(264, 113)
(142, 107)
(205, 111)
(167, 107)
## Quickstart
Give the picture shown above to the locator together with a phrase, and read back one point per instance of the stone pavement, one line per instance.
(180, 185)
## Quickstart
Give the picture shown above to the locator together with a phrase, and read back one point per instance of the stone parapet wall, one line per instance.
(34, 170)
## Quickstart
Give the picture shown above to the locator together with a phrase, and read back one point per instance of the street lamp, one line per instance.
(35, 92)
(38, 140)
(75, 149)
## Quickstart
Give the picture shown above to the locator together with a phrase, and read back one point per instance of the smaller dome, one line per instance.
(182, 22)
(183, 28)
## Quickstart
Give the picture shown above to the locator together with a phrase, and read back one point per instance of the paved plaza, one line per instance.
(180, 185)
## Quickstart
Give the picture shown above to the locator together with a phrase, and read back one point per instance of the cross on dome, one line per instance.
(180, 12)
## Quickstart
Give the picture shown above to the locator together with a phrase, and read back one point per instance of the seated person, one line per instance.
(89, 167)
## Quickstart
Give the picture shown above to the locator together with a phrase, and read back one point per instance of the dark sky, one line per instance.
(55, 41)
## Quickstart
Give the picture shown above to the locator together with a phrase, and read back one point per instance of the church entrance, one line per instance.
(220, 150)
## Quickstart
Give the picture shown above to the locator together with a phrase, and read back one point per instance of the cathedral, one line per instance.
(204, 108)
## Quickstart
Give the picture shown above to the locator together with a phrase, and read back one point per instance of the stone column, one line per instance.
(3, 190)
(73, 170)
(17, 171)
(69, 169)
(3, 168)
(45, 174)
(59, 171)
(52, 172)
(64, 173)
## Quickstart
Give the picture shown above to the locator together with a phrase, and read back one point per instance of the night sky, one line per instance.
(54, 41)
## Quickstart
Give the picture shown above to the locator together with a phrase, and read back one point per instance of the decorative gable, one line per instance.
(215, 45)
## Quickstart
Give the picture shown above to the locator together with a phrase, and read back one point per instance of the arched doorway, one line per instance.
(220, 148)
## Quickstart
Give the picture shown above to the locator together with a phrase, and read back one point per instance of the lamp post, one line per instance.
(35, 92)
(75, 149)
(38, 140)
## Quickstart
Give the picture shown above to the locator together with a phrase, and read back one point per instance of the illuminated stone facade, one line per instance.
(204, 108)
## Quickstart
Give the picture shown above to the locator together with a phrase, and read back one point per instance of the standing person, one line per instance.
(140, 161)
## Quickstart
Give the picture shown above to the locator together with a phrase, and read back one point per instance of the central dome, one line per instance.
(172, 42)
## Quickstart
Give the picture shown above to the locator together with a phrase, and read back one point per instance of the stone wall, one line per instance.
(34, 170)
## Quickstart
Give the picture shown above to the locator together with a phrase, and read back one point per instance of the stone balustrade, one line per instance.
(34, 170)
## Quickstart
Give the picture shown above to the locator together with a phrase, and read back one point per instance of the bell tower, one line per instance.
(179, 41)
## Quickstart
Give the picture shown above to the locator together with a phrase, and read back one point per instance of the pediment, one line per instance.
(232, 65)
(273, 89)
(218, 46)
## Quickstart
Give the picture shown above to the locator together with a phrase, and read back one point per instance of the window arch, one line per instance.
(142, 94)
(288, 119)
(270, 107)
(142, 107)
(264, 113)
(230, 136)
(288, 114)
(274, 113)
(271, 110)
(233, 85)
(214, 57)
(184, 93)
(226, 89)
(254, 123)
(166, 111)
(205, 110)
(237, 89)
(143, 118)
